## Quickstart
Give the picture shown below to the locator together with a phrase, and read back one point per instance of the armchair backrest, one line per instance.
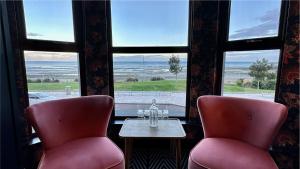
(59, 121)
(253, 121)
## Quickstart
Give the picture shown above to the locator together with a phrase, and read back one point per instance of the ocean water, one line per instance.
(62, 70)
(69, 70)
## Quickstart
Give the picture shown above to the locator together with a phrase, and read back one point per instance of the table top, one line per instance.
(139, 128)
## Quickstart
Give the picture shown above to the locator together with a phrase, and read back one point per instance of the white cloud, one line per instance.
(49, 56)
(268, 27)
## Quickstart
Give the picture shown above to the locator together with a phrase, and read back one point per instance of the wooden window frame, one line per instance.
(265, 43)
(57, 46)
(151, 50)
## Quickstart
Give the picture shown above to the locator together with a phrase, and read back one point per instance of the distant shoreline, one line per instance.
(69, 70)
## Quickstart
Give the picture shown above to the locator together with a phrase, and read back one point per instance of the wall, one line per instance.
(13, 99)
(96, 47)
(9, 153)
(203, 58)
(286, 145)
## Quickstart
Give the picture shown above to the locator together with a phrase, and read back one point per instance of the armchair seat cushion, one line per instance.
(222, 153)
(85, 153)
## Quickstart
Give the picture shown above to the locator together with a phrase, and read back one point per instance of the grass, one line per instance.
(162, 85)
(52, 86)
(231, 88)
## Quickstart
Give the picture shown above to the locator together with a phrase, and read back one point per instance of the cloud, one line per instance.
(33, 34)
(50, 56)
(271, 15)
(251, 56)
(268, 27)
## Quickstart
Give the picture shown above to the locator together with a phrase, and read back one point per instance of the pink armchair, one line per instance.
(237, 133)
(73, 133)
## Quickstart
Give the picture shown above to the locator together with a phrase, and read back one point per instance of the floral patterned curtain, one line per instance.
(286, 145)
(96, 47)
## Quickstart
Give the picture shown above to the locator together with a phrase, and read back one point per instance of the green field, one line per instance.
(231, 88)
(52, 86)
(162, 85)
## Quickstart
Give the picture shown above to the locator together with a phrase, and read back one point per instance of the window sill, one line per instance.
(35, 140)
(120, 122)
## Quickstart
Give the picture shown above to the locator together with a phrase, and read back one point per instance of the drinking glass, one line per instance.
(165, 114)
(160, 114)
(146, 113)
(140, 113)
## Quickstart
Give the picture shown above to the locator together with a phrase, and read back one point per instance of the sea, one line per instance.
(69, 70)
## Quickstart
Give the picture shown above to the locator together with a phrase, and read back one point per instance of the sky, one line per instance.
(50, 56)
(152, 23)
(49, 19)
(254, 18)
(250, 56)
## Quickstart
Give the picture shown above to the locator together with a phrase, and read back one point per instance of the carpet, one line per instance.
(156, 159)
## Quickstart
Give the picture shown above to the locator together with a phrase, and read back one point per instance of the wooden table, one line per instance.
(139, 128)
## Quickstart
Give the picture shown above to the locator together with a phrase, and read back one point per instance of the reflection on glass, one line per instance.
(251, 74)
(140, 78)
(51, 75)
(140, 113)
(49, 20)
(149, 23)
(254, 19)
(165, 114)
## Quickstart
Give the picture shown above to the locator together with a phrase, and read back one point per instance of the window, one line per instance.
(51, 54)
(149, 23)
(254, 19)
(150, 56)
(49, 20)
(139, 78)
(251, 74)
(252, 48)
(51, 75)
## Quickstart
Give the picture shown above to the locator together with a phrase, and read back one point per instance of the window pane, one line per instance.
(49, 20)
(139, 78)
(251, 74)
(149, 23)
(254, 19)
(51, 75)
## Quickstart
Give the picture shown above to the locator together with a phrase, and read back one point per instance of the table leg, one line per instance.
(173, 147)
(178, 153)
(128, 152)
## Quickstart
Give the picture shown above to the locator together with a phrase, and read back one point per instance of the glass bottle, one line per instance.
(153, 117)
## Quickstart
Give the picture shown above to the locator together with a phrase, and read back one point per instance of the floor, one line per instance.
(156, 159)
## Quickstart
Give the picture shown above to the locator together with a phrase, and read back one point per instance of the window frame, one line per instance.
(150, 50)
(56, 46)
(264, 43)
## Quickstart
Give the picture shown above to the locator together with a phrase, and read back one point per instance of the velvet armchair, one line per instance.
(238, 133)
(73, 133)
